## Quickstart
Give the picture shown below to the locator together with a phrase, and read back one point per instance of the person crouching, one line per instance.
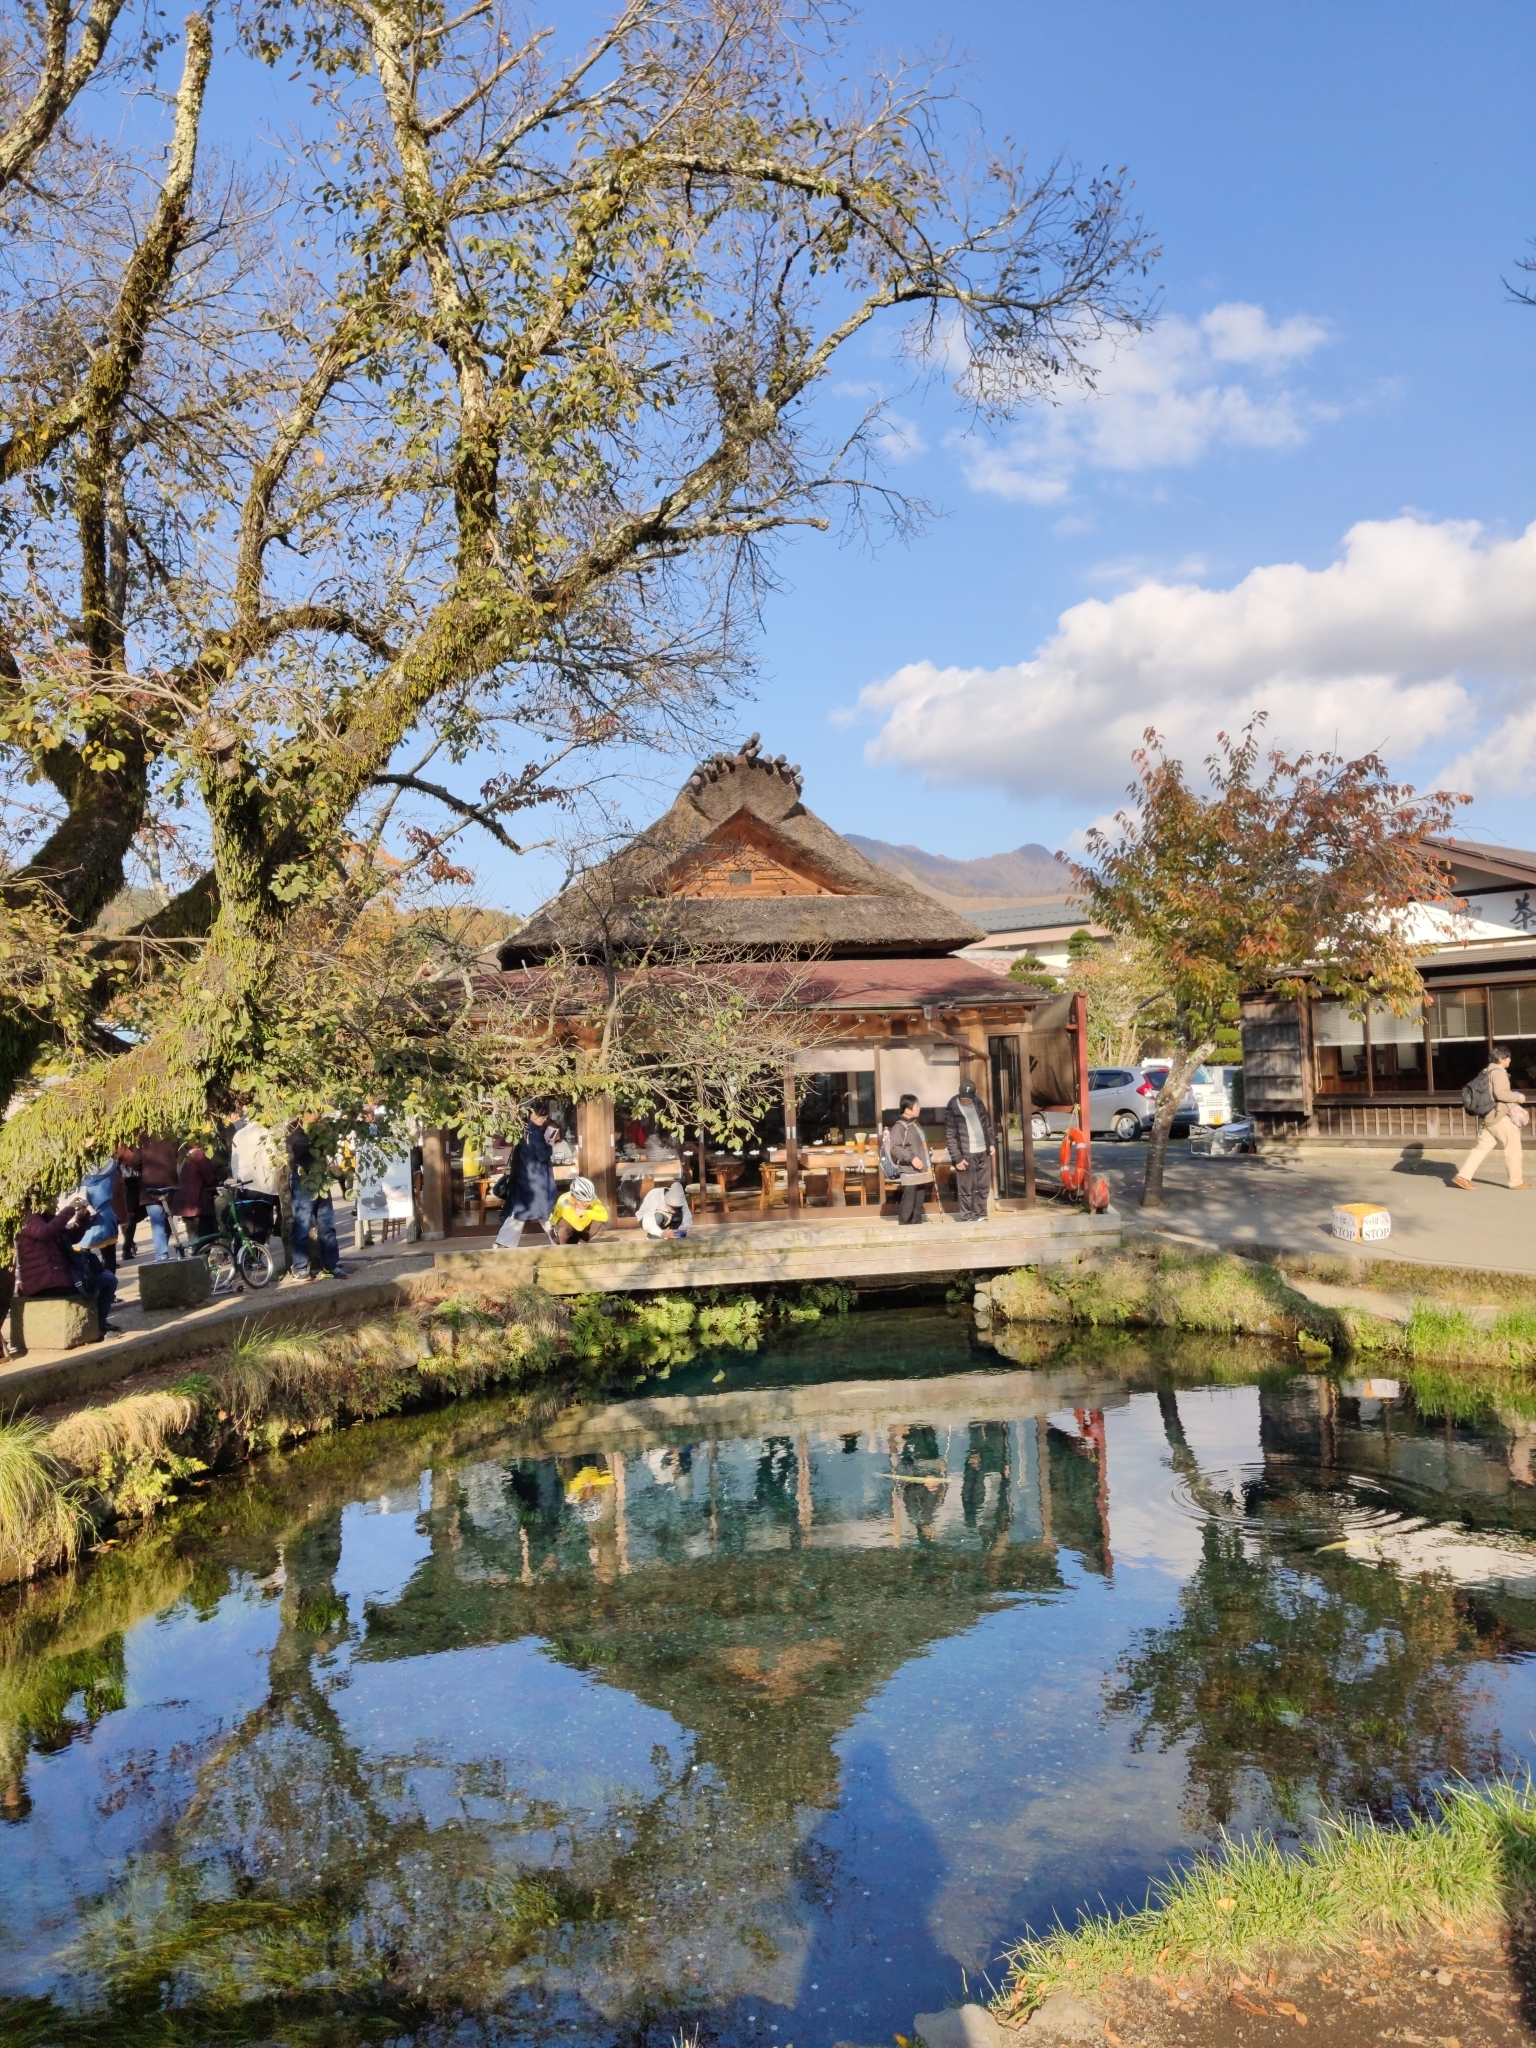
(579, 1217)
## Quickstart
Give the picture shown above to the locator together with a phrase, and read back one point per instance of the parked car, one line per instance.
(1122, 1102)
(1217, 1090)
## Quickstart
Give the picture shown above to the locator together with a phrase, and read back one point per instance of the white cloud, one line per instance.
(1412, 638)
(1163, 400)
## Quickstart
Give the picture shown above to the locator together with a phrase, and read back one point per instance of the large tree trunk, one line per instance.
(1183, 1067)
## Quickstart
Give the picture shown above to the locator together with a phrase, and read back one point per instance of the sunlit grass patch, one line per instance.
(1462, 1868)
(42, 1520)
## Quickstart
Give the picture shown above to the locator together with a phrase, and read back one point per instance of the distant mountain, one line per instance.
(1030, 874)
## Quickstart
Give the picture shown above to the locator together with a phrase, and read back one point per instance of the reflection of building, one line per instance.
(1312, 1067)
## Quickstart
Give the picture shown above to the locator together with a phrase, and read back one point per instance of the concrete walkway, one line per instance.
(1285, 1200)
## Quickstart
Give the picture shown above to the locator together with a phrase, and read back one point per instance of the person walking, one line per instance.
(127, 1199)
(907, 1151)
(530, 1179)
(314, 1219)
(1501, 1120)
(49, 1268)
(578, 1216)
(159, 1171)
(968, 1140)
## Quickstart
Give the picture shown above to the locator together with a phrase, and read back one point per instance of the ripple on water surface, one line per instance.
(775, 1703)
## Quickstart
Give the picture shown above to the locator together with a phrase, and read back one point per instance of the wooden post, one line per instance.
(791, 1141)
(1080, 1026)
(1026, 1113)
(436, 1185)
(594, 1143)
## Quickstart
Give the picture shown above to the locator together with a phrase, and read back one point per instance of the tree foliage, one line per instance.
(470, 436)
(1294, 871)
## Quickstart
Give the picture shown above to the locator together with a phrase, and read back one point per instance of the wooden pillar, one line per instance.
(436, 1185)
(1026, 1113)
(594, 1144)
(1080, 1027)
(791, 1140)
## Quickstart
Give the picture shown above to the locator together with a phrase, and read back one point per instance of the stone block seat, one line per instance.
(52, 1323)
(178, 1284)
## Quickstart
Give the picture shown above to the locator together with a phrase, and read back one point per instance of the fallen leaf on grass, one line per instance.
(1114, 2039)
(1248, 2005)
(1291, 2012)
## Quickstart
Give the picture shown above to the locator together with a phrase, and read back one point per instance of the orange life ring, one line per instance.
(1074, 1161)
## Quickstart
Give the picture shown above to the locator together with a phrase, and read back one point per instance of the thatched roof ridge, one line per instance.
(833, 901)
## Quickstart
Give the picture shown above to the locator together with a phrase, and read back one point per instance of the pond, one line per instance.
(774, 1699)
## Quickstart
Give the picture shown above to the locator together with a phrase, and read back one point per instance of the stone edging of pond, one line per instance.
(70, 1477)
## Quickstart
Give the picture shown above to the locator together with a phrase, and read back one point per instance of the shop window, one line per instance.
(1397, 1051)
(1458, 1032)
(1514, 1024)
(843, 1103)
(1339, 1038)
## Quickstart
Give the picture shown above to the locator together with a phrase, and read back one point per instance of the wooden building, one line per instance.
(750, 873)
(1314, 1069)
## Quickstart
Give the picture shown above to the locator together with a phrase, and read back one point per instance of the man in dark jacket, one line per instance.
(907, 1151)
(43, 1262)
(968, 1139)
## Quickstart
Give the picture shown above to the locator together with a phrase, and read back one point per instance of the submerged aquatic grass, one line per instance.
(1463, 1867)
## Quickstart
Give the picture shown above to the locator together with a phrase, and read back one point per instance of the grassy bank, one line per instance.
(1146, 1287)
(108, 1462)
(1152, 1287)
(1467, 1867)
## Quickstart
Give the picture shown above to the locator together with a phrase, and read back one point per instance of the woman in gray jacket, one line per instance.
(908, 1154)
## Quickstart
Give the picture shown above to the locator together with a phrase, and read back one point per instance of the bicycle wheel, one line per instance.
(221, 1264)
(253, 1262)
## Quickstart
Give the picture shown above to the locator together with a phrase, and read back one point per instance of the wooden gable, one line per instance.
(744, 859)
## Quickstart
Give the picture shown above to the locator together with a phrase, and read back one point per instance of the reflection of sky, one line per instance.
(190, 1678)
(981, 1787)
(549, 1733)
(381, 1546)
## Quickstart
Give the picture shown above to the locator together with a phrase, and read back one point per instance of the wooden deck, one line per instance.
(838, 1245)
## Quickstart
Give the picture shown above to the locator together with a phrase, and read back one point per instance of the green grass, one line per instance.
(1467, 1866)
(42, 1522)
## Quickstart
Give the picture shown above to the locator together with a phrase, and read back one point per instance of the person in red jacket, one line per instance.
(196, 1186)
(43, 1265)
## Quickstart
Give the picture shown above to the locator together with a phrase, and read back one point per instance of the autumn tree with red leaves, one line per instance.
(1294, 871)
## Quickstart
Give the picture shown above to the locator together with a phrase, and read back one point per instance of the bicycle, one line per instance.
(236, 1251)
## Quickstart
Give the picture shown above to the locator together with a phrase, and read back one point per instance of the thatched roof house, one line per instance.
(748, 868)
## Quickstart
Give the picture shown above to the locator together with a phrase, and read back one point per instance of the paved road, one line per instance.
(1286, 1200)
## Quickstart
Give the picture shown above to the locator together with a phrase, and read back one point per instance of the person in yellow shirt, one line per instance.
(578, 1216)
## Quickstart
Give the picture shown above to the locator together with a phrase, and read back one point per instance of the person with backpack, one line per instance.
(1490, 1098)
(906, 1159)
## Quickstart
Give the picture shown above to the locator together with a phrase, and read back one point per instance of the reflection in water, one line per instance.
(774, 1704)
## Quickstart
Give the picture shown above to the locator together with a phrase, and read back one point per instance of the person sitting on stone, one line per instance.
(579, 1216)
(664, 1212)
(44, 1266)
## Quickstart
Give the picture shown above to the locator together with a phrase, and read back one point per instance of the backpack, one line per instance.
(1477, 1096)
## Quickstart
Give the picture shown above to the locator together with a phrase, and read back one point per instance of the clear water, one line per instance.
(775, 1704)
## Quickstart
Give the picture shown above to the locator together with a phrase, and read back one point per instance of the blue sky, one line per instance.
(1362, 174)
(1307, 489)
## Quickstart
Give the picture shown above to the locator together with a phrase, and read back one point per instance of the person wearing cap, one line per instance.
(579, 1216)
(664, 1212)
(968, 1140)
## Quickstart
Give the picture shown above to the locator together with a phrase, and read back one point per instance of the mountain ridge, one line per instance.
(1026, 874)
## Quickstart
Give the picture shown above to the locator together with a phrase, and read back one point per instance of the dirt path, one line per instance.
(1463, 1993)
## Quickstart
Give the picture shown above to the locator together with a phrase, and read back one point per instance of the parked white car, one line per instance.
(1122, 1102)
(1212, 1088)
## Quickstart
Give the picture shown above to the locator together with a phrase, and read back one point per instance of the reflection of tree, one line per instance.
(1300, 1683)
